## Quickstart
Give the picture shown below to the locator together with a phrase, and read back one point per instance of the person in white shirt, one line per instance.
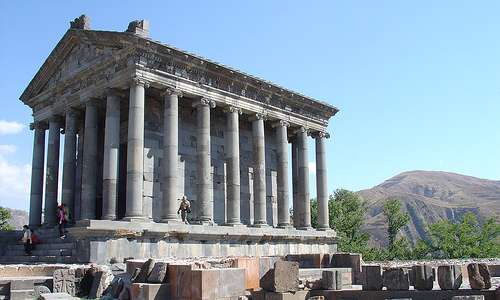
(27, 241)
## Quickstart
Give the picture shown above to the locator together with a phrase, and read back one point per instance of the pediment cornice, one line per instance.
(164, 58)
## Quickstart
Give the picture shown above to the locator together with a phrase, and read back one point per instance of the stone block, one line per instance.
(283, 278)
(124, 294)
(158, 273)
(318, 260)
(40, 289)
(251, 267)
(468, 297)
(204, 284)
(329, 280)
(75, 282)
(116, 287)
(22, 294)
(98, 285)
(179, 278)
(298, 295)
(396, 279)
(348, 260)
(149, 291)
(424, 277)
(57, 296)
(266, 263)
(479, 276)
(133, 264)
(449, 277)
(231, 283)
(148, 189)
(22, 284)
(372, 278)
(146, 268)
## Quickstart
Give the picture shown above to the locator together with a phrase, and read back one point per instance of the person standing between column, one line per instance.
(62, 219)
(184, 209)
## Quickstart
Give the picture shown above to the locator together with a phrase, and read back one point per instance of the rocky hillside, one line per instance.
(429, 196)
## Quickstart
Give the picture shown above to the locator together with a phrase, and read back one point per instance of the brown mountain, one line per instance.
(430, 196)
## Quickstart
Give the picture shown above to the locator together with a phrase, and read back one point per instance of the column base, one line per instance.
(171, 221)
(110, 218)
(234, 224)
(136, 219)
(204, 223)
(260, 225)
(284, 226)
(323, 229)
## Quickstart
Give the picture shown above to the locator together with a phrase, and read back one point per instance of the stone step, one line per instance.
(40, 252)
(21, 259)
(43, 246)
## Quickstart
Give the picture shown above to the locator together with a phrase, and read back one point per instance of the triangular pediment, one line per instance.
(75, 52)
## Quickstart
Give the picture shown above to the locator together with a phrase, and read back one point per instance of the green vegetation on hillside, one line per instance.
(465, 239)
(4, 218)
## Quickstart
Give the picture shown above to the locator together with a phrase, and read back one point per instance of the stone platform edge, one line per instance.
(138, 230)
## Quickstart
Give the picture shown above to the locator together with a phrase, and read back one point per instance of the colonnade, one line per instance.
(134, 166)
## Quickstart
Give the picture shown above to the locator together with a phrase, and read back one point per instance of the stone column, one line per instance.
(303, 197)
(233, 165)
(321, 182)
(89, 165)
(204, 183)
(36, 196)
(69, 164)
(111, 156)
(295, 182)
(282, 176)
(259, 171)
(170, 156)
(135, 150)
(51, 180)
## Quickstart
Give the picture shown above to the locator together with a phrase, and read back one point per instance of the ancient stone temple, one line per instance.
(143, 123)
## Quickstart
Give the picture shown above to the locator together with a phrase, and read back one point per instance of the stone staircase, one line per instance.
(51, 248)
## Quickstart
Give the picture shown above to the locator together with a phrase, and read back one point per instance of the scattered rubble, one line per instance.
(320, 277)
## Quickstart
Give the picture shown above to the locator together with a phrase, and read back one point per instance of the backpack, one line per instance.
(34, 239)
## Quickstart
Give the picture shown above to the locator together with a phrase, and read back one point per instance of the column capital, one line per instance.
(113, 92)
(73, 112)
(301, 129)
(233, 109)
(258, 116)
(41, 125)
(282, 123)
(204, 102)
(171, 91)
(137, 80)
(56, 119)
(320, 134)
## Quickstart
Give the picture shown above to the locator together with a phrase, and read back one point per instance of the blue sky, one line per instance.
(417, 82)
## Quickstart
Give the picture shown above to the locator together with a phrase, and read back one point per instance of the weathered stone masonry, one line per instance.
(145, 123)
